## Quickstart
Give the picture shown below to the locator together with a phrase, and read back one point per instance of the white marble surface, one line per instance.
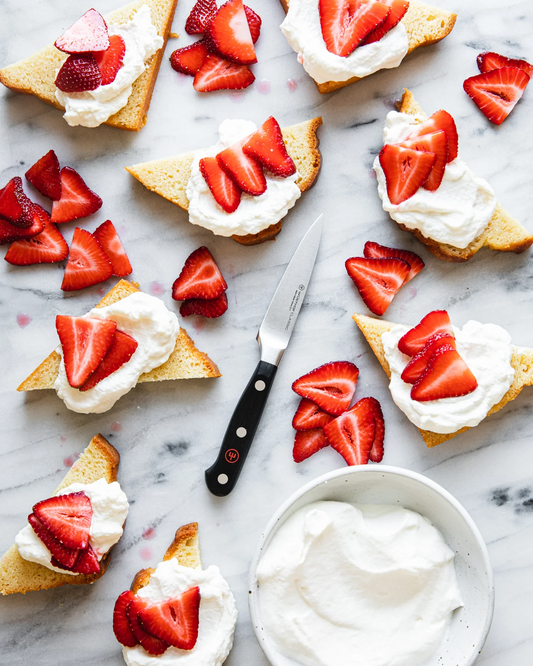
(169, 433)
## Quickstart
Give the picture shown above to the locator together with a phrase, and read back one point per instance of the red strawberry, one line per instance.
(150, 643)
(225, 190)
(405, 171)
(107, 236)
(87, 263)
(437, 144)
(497, 92)
(490, 60)
(266, 145)
(45, 177)
(309, 416)
(10, 233)
(211, 308)
(89, 33)
(398, 10)
(254, 23)
(245, 171)
(200, 277)
(87, 562)
(346, 23)
(201, 14)
(330, 386)
(67, 517)
(15, 207)
(377, 450)
(77, 200)
(175, 620)
(378, 280)
(446, 376)
(307, 442)
(79, 73)
(189, 59)
(418, 364)
(65, 556)
(352, 434)
(110, 60)
(376, 251)
(121, 624)
(121, 350)
(440, 120)
(85, 342)
(48, 247)
(219, 74)
(228, 34)
(416, 338)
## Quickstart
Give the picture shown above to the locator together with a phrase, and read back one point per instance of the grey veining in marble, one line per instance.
(168, 434)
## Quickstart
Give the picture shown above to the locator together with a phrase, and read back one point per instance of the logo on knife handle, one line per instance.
(232, 455)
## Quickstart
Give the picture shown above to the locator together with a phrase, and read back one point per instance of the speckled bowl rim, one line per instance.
(253, 597)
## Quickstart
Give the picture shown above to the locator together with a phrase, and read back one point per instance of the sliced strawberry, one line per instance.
(405, 171)
(309, 416)
(352, 434)
(378, 280)
(490, 60)
(67, 517)
(87, 263)
(85, 342)
(110, 60)
(107, 236)
(44, 175)
(446, 376)
(150, 643)
(189, 59)
(228, 34)
(65, 556)
(121, 350)
(10, 233)
(212, 308)
(418, 364)
(121, 624)
(87, 562)
(398, 10)
(377, 450)
(175, 620)
(437, 144)
(331, 386)
(245, 171)
(254, 23)
(48, 247)
(200, 277)
(376, 251)
(225, 190)
(201, 14)
(346, 23)
(307, 442)
(266, 145)
(417, 338)
(440, 120)
(219, 74)
(79, 73)
(497, 92)
(15, 207)
(89, 33)
(77, 200)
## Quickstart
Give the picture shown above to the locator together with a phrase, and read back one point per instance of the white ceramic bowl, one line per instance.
(392, 485)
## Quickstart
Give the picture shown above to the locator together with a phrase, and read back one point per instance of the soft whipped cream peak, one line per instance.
(485, 348)
(456, 213)
(302, 29)
(254, 213)
(155, 329)
(94, 107)
(218, 616)
(110, 508)
(339, 580)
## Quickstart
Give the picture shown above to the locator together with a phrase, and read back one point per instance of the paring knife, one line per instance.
(273, 338)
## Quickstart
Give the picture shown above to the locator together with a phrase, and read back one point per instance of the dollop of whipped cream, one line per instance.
(339, 580)
(254, 213)
(302, 29)
(218, 615)
(155, 329)
(456, 213)
(485, 348)
(110, 508)
(93, 107)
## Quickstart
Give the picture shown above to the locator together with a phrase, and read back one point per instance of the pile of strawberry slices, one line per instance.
(436, 369)
(94, 57)
(201, 286)
(62, 523)
(239, 168)
(346, 24)
(158, 626)
(323, 417)
(420, 160)
(221, 59)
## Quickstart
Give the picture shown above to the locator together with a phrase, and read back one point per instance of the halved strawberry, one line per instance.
(44, 175)
(85, 342)
(122, 349)
(417, 338)
(254, 23)
(225, 190)
(150, 643)
(200, 277)
(15, 207)
(175, 620)
(65, 556)
(219, 74)
(87, 562)
(68, 517)
(88, 33)
(266, 145)
(435, 143)
(378, 280)
(47, 247)
(489, 60)
(331, 386)
(212, 308)
(446, 376)
(405, 171)
(87, 263)
(110, 60)
(440, 120)
(201, 14)
(79, 73)
(346, 23)
(497, 92)
(418, 364)
(352, 434)
(377, 450)
(376, 251)
(228, 34)
(10, 233)
(107, 236)
(121, 624)
(189, 59)
(244, 170)
(307, 442)
(77, 200)
(309, 416)
(398, 10)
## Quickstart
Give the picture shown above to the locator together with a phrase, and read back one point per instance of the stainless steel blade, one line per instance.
(282, 313)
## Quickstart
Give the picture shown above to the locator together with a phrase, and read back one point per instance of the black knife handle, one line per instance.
(222, 476)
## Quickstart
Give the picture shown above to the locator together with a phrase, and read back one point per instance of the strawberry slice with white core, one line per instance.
(405, 171)
(437, 144)
(122, 349)
(87, 562)
(440, 120)
(65, 556)
(211, 308)
(151, 644)
(107, 236)
(266, 145)
(10, 233)
(228, 34)
(219, 74)
(254, 23)
(89, 33)
(200, 277)
(68, 517)
(352, 433)
(121, 624)
(189, 59)
(398, 10)
(45, 176)
(417, 338)
(244, 170)
(346, 23)
(79, 73)
(309, 416)
(489, 60)
(47, 247)
(85, 342)
(87, 264)
(378, 280)
(374, 250)
(377, 451)
(77, 199)
(175, 620)
(497, 92)
(446, 376)
(307, 442)
(418, 364)
(201, 14)
(331, 386)
(15, 207)
(110, 60)
(224, 189)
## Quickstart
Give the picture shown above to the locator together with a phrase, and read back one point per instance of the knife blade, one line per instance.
(273, 337)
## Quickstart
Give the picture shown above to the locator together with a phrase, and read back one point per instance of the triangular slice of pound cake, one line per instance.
(36, 74)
